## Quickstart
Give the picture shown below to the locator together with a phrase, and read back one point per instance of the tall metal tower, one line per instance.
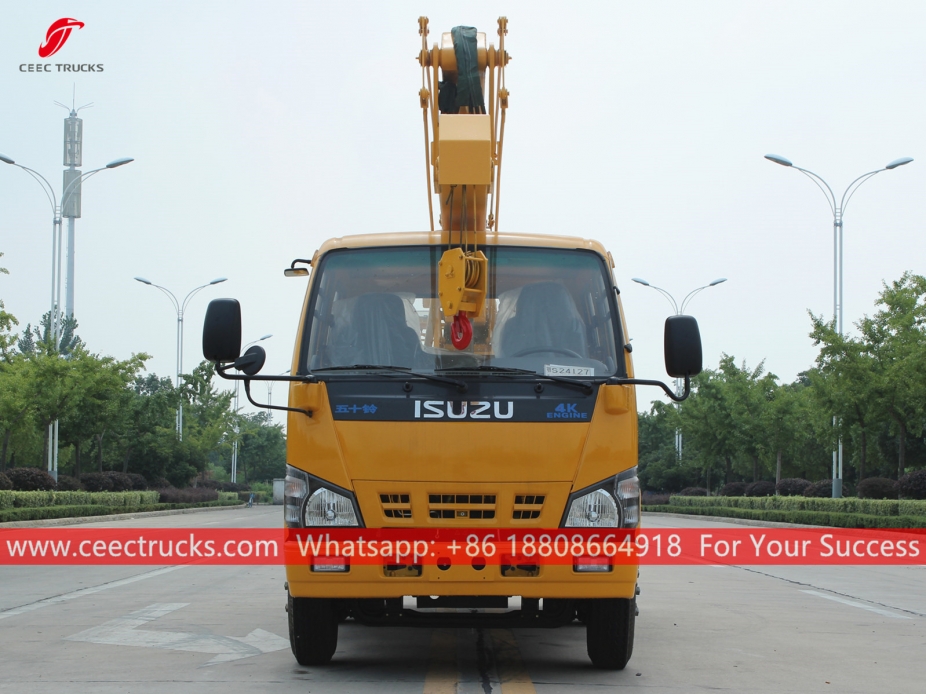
(70, 196)
(71, 192)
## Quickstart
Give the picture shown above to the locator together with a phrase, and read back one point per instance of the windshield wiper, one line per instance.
(458, 384)
(585, 386)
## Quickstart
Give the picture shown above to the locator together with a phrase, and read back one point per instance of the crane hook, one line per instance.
(461, 331)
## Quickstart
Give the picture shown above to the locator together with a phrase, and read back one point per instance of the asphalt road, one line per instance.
(223, 629)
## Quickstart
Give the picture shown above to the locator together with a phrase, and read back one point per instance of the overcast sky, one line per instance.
(261, 129)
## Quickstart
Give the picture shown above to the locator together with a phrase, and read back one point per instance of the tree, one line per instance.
(842, 384)
(262, 448)
(895, 342)
(709, 419)
(37, 338)
(207, 420)
(660, 467)
(101, 402)
(17, 404)
(749, 393)
(7, 321)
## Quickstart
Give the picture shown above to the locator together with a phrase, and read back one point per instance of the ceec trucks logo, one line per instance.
(55, 38)
(57, 35)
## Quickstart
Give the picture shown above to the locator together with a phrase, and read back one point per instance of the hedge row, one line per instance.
(829, 518)
(10, 499)
(45, 512)
(873, 507)
(259, 497)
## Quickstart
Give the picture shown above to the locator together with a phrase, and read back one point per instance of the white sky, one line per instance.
(260, 129)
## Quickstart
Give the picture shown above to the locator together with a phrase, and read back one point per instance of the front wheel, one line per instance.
(609, 632)
(313, 629)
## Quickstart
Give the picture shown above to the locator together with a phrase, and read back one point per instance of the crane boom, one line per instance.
(463, 158)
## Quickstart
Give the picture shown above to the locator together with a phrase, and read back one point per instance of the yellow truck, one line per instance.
(461, 379)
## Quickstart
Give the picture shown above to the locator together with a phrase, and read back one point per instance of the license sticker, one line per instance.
(558, 370)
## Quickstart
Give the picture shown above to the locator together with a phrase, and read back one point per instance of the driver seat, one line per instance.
(545, 316)
(379, 333)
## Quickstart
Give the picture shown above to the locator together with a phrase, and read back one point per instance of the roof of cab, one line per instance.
(439, 238)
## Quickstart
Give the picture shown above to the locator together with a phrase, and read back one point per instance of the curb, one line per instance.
(55, 522)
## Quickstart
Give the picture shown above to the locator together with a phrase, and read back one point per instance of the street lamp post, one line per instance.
(679, 310)
(234, 464)
(66, 194)
(838, 210)
(180, 307)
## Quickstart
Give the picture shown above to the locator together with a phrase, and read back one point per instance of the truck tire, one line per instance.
(609, 632)
(313, 630)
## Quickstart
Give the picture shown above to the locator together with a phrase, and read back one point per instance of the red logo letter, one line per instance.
(56, 36)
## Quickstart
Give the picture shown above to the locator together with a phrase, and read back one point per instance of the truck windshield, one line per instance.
(548, 311)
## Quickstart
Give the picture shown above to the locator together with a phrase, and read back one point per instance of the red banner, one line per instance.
(453, 546)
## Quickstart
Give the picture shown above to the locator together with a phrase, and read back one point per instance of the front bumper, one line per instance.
(552, 581)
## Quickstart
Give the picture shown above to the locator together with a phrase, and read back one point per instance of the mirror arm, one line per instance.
(221, 370)
(247, 391)
(643, 382)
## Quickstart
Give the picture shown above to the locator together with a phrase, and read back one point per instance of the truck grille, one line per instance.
(461, 506)
(527, 507)
(396, 505)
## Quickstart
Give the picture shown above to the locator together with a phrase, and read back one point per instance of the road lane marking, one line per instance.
(443, 672)
(511, 671)
(860, 605)
(124, 631)
(39, 604)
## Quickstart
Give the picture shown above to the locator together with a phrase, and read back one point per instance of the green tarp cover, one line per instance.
(468, 89)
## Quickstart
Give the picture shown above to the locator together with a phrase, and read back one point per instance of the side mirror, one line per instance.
(222, 331)
(682, 346)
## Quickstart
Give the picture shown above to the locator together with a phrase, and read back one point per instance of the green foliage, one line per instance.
(792, 486)
(259, 497)
(47, 512)
(733, 489)
(743, 425)
(761, 488)
(262, 448)
(693, 491)
(188, 495)
(913, 485)
(822, 489)
(29, 479)
(875, 507)
(12, 499)
(828, 518)
(7, 322)
(658, 465)
(877, 488)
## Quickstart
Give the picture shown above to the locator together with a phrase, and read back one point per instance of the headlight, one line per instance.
(327, 507)
(612, 503)
(313, 502)
(596, 509)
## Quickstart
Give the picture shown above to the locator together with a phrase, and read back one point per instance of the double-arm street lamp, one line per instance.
(67, 193)
(838, 209)
(234, 464)
(180, 307)
(70, 190)
(679, 310)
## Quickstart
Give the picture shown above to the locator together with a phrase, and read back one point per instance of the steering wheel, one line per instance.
(557, 350)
